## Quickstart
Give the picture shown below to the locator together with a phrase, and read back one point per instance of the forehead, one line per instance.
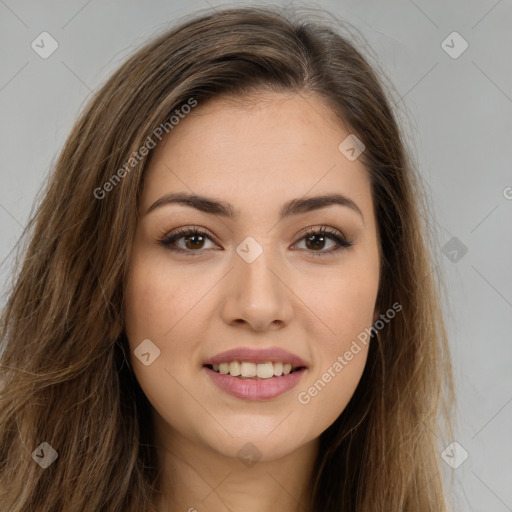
(264, 149)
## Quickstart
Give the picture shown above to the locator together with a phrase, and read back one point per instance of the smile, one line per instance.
(250, 370)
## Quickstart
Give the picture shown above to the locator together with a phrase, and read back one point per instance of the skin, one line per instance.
(256, 156)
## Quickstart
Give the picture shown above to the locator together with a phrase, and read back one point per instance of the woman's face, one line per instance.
(256, 281)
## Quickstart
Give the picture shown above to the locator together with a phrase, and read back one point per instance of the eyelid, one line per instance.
(323, 228)
(178, 233)
(333, 233)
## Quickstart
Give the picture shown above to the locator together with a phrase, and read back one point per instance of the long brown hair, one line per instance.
(65, 378)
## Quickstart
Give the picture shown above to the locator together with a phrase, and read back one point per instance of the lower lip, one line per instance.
(252, 389)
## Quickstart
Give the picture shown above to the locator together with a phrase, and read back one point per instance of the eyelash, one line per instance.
(324, 231)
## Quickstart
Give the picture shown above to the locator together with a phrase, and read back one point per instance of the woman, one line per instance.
(227, 300)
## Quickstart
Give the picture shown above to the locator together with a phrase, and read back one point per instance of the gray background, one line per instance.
(458, 121)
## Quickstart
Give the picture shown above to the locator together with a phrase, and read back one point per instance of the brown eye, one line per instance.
(316, 239)
(194, 241)
(193, 237)
(315, 242)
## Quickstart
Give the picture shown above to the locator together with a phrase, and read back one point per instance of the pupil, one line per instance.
(195, 237)
(318, 245)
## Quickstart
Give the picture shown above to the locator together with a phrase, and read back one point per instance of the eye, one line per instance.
(194, 240)
(315, 239)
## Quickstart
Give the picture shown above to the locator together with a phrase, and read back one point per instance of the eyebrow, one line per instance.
(223, 209)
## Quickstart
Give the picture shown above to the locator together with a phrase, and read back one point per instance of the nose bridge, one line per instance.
(256, 265)
(259, 274)
(257, 294)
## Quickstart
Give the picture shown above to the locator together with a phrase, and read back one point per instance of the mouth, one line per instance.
(255, 374)
(255, 381)
(247, 370)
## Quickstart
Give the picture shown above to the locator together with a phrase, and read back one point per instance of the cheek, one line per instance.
(346, 306)
(339, 366)
(331, 386)
(154, 305)
(344, 301)
(155, 300)
(163, 305)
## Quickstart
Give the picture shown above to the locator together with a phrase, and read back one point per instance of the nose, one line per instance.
(258, 294)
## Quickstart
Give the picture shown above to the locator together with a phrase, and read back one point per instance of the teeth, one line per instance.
(234, 368)
(248, 370)
(265, 370)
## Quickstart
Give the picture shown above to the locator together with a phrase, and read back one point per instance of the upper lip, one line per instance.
(256, 355)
